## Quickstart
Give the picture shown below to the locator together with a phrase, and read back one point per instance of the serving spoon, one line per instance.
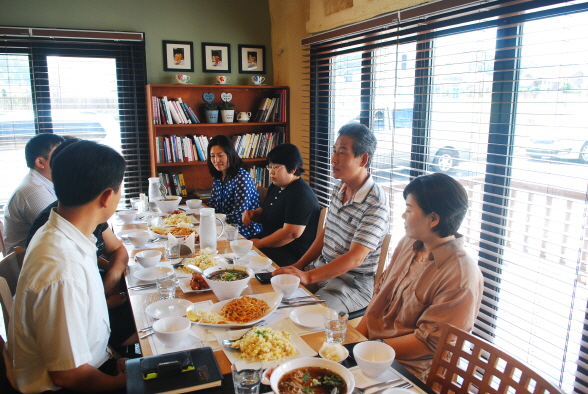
(230, 342)
(198, 270)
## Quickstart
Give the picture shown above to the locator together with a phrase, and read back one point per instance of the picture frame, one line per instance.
(216, 58)
(251, 59)
(178, 56)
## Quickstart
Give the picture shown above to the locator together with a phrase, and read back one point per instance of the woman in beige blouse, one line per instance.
(430, 280)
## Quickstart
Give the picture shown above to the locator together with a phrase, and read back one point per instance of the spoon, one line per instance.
(230, 342)
(197, 269)
(181, 263)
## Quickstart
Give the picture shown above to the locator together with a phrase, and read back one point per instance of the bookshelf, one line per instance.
(246, 99)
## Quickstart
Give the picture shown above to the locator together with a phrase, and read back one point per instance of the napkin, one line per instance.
(171, 239)
(189, 242)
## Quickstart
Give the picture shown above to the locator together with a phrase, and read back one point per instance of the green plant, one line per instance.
(226, 105)
(210, 106)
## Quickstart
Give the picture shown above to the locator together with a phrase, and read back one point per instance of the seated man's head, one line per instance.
(38, 152)
(353, 151)
(436, 204)
(84, 171)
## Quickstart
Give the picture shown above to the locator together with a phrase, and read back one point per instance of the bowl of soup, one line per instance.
(228, 280)
(321, 375)
(168, 204)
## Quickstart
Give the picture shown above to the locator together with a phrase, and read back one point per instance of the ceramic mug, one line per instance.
(243, 116)
(257, 79)
(182, 78)
(222, 79)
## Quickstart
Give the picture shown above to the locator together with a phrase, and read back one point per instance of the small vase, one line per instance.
(227, 115)
(211, 116)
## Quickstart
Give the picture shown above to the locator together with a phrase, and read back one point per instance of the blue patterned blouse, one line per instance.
(232, 197)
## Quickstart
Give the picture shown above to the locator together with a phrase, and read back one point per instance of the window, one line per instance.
(90, 89)
(494, 94)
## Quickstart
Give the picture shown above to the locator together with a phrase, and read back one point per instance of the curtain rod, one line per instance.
(70, 33)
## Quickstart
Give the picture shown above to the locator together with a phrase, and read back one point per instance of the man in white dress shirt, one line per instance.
(33, 194)
(58, 334)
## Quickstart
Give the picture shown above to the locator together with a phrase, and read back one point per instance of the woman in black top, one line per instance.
(290, 211)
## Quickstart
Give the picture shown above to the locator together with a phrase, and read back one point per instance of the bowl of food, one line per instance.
(310, 374)
(148, 258)
(194, 203)
(127, 216)
(139, 238)
(168, 204)
(172, 330)
(227, 280)
(334, 352)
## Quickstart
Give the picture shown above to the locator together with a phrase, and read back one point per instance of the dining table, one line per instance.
(203, 335)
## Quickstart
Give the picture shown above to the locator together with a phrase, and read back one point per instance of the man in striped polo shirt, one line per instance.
(345, 253)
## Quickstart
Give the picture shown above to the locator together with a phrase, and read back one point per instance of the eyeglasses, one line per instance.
(274, 168)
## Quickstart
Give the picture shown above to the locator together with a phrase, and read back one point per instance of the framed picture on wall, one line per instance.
(178, 56)
(252, 59)
(216, 57)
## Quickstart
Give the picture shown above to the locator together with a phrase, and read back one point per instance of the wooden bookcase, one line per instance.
(245, 98)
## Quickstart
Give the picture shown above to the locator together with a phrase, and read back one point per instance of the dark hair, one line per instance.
(288, 155)
(364, 140)
(443, 195)
(40, 146)
(83, 170)
(228, 147)
(68, 141)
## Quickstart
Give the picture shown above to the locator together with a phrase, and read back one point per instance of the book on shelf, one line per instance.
(183, 190)
(172, 111)
(178, 372)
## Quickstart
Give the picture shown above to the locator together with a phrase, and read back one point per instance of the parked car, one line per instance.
(559, 143)
(16, 128)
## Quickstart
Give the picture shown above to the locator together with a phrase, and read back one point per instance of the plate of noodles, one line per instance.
(181, 230)
(243, 311)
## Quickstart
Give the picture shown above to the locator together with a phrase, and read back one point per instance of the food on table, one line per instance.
(206, 251)
(266, 344)
(333, 351)
(177, 219)
(228, 275)
(311, 380)
(182, 229)
(205, 316)
(203, 262)
(197, 282)
(244, 309)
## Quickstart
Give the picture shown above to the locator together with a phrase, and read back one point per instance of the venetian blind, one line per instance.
(495, 94)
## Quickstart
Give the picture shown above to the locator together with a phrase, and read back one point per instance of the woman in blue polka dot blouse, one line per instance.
(233, 189)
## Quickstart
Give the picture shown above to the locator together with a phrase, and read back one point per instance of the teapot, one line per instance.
(243, 116)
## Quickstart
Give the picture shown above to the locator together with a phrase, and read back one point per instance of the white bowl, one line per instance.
(168, 205)
(171, 331)
(194, 203)
(227, 290)
(256, 263)
(373, 357)
(148, 258)
(285, 283)
(312, 362)
(222, 217)
(241, 246)
(324, 351)
(127, 216)
(139, 238)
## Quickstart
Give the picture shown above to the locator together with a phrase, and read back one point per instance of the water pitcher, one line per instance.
(153, 191)
(208, 234)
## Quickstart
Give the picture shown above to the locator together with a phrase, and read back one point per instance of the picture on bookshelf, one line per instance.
(216, 57)
(178, 55)
(251, 59)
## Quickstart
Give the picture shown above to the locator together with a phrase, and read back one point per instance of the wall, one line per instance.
(219, 21)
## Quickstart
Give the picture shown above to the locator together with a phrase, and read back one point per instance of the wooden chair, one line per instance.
(464, 364)
(262, 193)
(322, 218)
(10, 267)
(2, 246)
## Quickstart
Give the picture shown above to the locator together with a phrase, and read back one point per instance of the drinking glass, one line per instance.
(246, 377)
(166, 286)
(232, 232)
(335, 325)
(172, 250)
(137, 204)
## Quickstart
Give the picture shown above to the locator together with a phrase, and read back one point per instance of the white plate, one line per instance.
(165, 308)
(273, 300)
(257, 263)
(397, 390)
(185, 286)
(234, 355)
(310, 316)
(149, 274)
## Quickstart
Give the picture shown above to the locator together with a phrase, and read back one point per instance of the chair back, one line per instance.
(2, 246)
(10, 267)
(262, 191)
(5, 301)
(322, 218)
(464, 364)
(383, 257)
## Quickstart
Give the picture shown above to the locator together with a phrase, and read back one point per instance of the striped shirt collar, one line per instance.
(361, 193)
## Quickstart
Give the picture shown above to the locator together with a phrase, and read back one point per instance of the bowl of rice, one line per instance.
(228, 280)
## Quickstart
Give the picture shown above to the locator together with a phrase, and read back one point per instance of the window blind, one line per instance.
(91, 87)
(494, 94)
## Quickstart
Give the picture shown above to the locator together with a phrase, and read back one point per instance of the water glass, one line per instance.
(232, 232)
(166, 286)
(137, 204)
(172, 250)
(335, 325)
(246, 377)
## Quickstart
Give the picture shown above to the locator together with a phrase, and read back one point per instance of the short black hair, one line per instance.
(288, 155)
(68, 141)
(228, 147)
(85, 169)
(40, 146)
(364, 140)
(443, 195)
